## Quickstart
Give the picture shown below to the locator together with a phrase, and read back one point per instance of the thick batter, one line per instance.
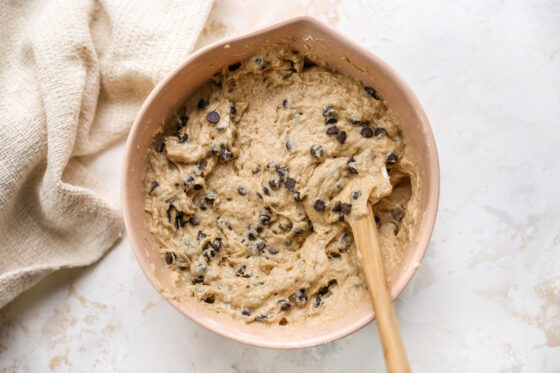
(249, 192)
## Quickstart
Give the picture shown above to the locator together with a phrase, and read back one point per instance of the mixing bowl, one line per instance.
(311, 36)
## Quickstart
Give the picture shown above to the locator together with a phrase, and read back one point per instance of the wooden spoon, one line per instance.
(365, 235)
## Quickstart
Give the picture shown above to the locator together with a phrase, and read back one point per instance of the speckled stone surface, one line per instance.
(487, 296)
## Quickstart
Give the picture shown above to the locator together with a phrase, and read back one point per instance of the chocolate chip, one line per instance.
(357, 122)
(232, 110)
(200, 235)
(170, 257)
(210, 198)
(217, 244)
(341, 217)
(213, 117)
(197, 280)
(260, 246)
(372, 92)
(266, 191)
(391, 159)
(241, 191)
(319, 205)
(346, 208)
(226, 155)
(188, 180)
(366, 132)
(259, 228)
(379, 131)
(285, 104)
(194, 220)
(183, 120)
(351, 169)
(337, 207)
(197, 187)
(273, 251)
(297, 197)
(259, 195)
(285, 305)
(282, 171)
(397, 214)
(260, 64)
(208, 253)
(179, 220)
(202, 206)
(327, 110)
(160, 147)
(274, 184)
(209, 299)
(202, 104)
(331, 119)
(316, 150)
(286, 225)
(251, 235)
(241, 271)
(155, 184)
(300, 297)
(377, 220)
(341, 137)
(183, 137)
(214, 149)
(246, 312)
(317, 301)
(265, 219)
(234, 66)
(262, 317)
(356, 194)
(323, 290)
(332, 130)
(290, 184)
(283, 322)
(256, 170)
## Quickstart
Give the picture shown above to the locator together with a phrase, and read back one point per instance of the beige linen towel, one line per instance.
(73, 74)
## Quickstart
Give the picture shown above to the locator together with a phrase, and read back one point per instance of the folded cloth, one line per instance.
(73, 74)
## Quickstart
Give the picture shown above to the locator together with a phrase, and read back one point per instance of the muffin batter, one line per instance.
(249, 191)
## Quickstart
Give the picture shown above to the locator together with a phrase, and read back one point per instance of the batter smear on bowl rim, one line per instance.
(249, 190)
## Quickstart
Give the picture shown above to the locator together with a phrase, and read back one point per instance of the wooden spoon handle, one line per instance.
(365, 234)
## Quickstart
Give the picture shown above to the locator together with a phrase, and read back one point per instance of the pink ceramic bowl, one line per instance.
(301, 33)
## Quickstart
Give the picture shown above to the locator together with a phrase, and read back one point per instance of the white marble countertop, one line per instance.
(487, 296)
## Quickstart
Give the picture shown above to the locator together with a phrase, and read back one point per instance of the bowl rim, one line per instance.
(429, 217)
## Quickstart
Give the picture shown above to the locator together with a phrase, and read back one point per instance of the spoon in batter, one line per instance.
(365, 235)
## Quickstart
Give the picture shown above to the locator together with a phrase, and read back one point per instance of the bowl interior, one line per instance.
(304, 34)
